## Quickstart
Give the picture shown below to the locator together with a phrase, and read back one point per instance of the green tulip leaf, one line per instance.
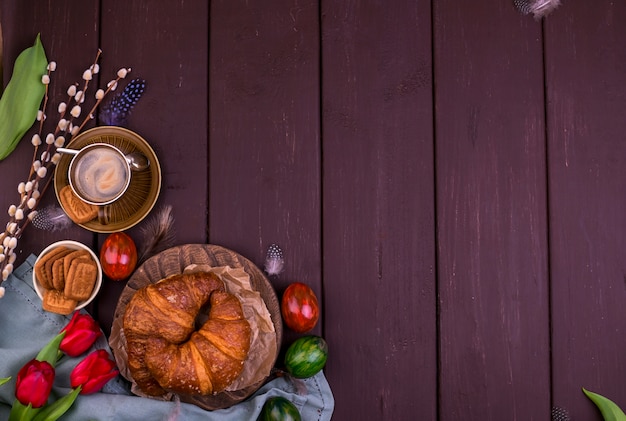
(55, 410)
(4, 380)
(21, 412)
(50, 352)
(22, 97)
(609, 410)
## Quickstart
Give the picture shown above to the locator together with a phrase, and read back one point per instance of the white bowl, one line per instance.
(74, 245)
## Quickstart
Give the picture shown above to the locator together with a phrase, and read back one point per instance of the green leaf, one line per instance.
(21, 412)
(22, 97)
(609, 410)
(50, 352)
(54, 411)
(4, 380)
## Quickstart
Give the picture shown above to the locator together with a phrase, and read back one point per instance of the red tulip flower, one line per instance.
(34, 383)
(80, 334)
(92, 373)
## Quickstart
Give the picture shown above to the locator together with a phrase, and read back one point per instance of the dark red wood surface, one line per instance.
(448, 178)
(491, 214)
(264, 138)
(378, 209)
(21, 22)
(172, 115)
(585, 73)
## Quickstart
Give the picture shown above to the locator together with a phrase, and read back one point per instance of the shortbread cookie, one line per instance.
(74, 255)
(80, 280)
(44, 263)
(58, 277)
(50, 262)
(78, 210)
(55, 302)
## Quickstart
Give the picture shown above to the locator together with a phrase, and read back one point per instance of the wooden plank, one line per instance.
(491, 213)
(265, 135)
(586, 86)
(74, 48)
(167, 45)
(378, 197)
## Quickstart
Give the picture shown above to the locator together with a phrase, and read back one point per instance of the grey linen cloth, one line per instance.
(25, 328)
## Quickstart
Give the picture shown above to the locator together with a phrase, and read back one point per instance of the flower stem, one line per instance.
(54, 411)
(20, 412)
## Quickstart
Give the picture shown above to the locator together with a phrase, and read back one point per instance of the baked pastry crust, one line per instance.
(167, 354)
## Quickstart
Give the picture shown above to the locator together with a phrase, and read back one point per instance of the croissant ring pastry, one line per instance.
(165, 351)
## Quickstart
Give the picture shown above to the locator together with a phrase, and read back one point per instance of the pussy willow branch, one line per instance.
(40, 169)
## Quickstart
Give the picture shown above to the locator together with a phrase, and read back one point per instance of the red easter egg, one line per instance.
(299, 307)
(118, 256)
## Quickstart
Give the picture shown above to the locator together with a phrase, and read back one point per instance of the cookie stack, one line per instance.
(67, 277)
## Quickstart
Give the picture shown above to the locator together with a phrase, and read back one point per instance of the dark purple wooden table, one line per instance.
(448, 176)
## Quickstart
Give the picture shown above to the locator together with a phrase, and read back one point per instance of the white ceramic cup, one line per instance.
(99, 173)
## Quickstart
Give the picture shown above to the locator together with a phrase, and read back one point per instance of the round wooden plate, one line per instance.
(173, 261)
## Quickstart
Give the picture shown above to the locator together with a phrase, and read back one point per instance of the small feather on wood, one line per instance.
(158, 234)
(117, 111)
(538, 8)
(51, 218)
(274, 261)
(559, 414)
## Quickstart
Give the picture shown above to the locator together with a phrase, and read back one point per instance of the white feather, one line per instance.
(274, 262)
(541, 8)
(274, 266)
(51, 218)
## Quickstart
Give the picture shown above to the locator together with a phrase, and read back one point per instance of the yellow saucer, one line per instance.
(144, 187)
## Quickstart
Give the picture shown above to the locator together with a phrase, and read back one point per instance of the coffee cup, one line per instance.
(99, 173)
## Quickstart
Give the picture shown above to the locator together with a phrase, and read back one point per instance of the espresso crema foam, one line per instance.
(100, 175)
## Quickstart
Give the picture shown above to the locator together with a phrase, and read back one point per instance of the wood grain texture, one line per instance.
(1, 59)
(491, 212)
(468, 253)
(167, 45)
(265, 135)
(21, 22)
(586, 80)
(379, 257)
